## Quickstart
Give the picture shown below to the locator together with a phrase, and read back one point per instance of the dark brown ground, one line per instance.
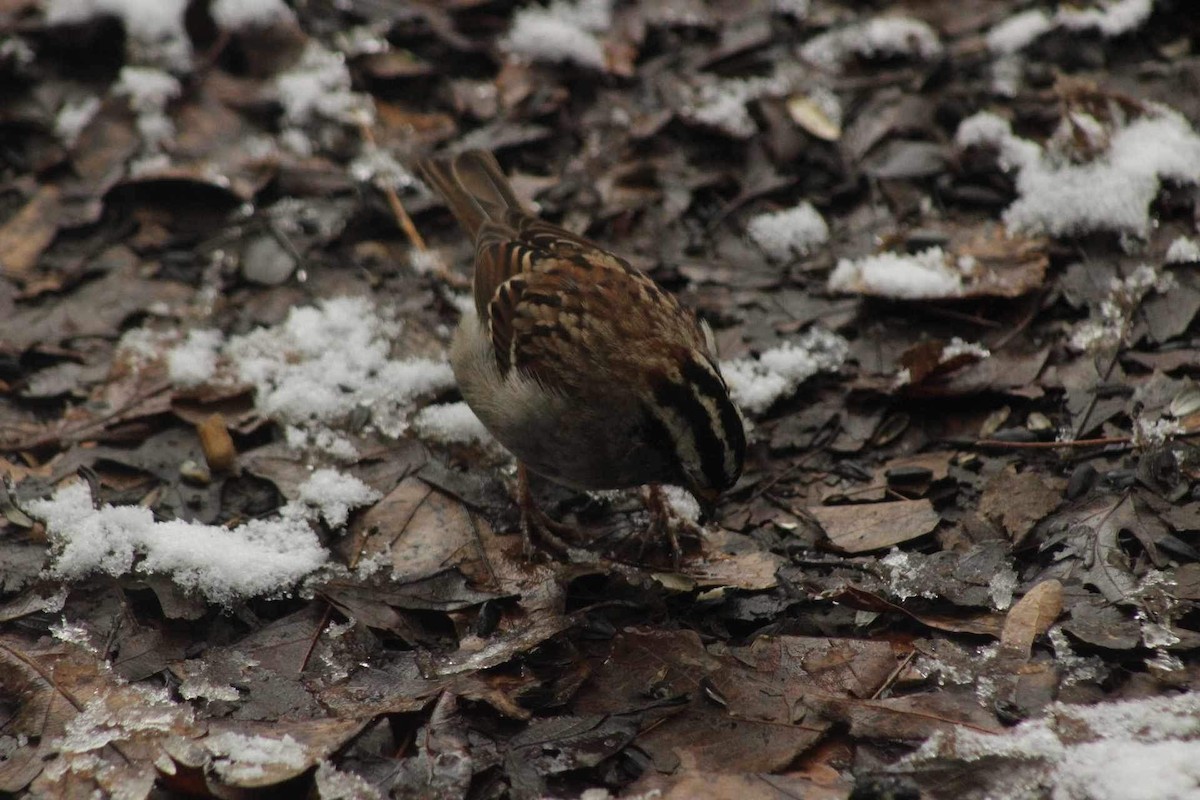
(895, 562)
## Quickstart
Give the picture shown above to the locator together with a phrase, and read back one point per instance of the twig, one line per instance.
(1021, 325)
(98, 422)
(402, 218)
(1099, 442)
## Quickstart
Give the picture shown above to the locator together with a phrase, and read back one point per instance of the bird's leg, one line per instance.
(662, 520)
(534, 521)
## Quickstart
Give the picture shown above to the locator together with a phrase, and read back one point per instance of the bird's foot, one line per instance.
(539, 532)
(665, 523)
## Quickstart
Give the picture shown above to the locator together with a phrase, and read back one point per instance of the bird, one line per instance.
(586, 370)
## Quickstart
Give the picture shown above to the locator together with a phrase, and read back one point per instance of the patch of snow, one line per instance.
(1109, 323)
(98, 725)
(721, 104)
(1149, 433)
(1112, 192)
(323, 362)
(193, 687)
(879, 37)
(194, 362)
(322, 440)
(755, 384)
(786, 234)
(452, 423)
(1008, 71)
(905, 575)
(682, 503)
(960, 347)
(333, 784)
(424, 262)
(1075, 668)
(1165, 662)
(362, 40)
(797, 9)
(924, 275)
(318, 88)
(76, 633)
(1002, 586)
(73, 117)
(143, 345)
(986, 129)
(561, 32)
(1155, 635)
(241, 759)
(297, 142)
(377, 165)
(154, 28)
(316, 370)
(16, 50)
(1111, 18)
(237, 14)
(333, 494)
(149, 90)
(1142, 749)
(223, 564)
(1184, 250)
(1018, 31)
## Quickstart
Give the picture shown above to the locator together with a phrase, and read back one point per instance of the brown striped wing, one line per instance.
(560, 301)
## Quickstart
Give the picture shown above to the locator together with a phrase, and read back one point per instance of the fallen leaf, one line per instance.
(103, 735)
(864, 527)
(97, 308)
(690, 783)
(1019, 500)
(30, 231)
(1031, 617)
(747, 707)
(984, 623)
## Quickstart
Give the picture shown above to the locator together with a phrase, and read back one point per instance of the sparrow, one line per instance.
(585, 369)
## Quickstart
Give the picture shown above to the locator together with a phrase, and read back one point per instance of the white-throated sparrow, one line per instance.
(583, 367)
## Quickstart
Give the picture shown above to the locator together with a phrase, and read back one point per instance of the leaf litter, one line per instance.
(252, 540)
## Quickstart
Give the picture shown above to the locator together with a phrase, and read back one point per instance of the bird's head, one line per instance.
(702, 427)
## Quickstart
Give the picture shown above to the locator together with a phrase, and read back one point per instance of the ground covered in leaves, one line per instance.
(252, 544)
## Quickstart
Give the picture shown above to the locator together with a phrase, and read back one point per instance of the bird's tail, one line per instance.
(473, 186)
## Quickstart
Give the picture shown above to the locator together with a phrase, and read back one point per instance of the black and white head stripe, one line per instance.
(705, 426)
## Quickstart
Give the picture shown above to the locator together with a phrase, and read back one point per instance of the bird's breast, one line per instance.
(591, 442)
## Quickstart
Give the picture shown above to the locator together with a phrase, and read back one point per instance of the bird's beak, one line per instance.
(707, 499)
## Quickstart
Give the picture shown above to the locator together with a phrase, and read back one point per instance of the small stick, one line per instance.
(402, 218)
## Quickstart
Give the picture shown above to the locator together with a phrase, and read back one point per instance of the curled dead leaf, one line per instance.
(1031, 617)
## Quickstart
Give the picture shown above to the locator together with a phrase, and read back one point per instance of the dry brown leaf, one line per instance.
(97, 308)
(692, 782)
(984, 623)
(103, 736)
(925, 361)
(1031, 617)
(1011, 264)
(913, 718)
(1018, 501)
(733, 560)
(909, 476)
(249, 754)
(874, 526)
(30, 231)
(746, 708)
(813, 117)
(420, 530)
